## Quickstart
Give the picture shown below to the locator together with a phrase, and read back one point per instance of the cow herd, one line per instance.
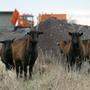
(75, 50)
(22, 53)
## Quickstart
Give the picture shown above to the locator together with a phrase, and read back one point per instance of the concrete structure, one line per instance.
(5, 23)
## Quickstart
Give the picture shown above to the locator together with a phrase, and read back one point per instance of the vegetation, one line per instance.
(48, 74)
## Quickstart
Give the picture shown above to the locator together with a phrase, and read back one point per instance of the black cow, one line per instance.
(6, 54)
(75, 50)
(33, 50)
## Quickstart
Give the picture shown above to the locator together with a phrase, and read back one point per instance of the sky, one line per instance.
(78, 10)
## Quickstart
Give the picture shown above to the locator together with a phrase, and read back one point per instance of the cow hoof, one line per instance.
(20, 76)
(30, 77)
(25, 78)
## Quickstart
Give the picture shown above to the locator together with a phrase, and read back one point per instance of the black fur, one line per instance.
(74, 54)
(6, 54)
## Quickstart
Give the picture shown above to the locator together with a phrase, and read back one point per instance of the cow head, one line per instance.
(75, 38)
(35, 35)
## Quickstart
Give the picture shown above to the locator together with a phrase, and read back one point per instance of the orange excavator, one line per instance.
(22, 21)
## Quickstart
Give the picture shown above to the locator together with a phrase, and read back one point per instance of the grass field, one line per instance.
(48, 74)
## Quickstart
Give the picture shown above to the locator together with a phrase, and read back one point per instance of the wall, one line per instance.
(5, 23)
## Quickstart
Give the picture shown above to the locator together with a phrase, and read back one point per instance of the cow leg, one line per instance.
(69, 62)
(6, 64)
(78, 66)
(72, 62)
(25, 71)
(17, 68)
(68, 65)
(30, 71)
(79, 63)
(31, 64)
(21, 70)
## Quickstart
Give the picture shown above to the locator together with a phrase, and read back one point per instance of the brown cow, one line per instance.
(87, 49)
(61, 45)
(19, 49)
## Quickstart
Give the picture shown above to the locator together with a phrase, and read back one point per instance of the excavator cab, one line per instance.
(22, 21)
(26, 21)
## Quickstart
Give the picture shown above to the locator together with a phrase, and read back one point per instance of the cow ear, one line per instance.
(40, 33)
(70, 33)
(80, 34)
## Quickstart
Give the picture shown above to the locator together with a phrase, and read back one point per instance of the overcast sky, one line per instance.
(76, 9)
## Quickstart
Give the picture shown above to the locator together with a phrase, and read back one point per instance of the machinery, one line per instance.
(25, 21)
(22, 21)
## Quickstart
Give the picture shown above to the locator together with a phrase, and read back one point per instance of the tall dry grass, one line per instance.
(48, 74)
